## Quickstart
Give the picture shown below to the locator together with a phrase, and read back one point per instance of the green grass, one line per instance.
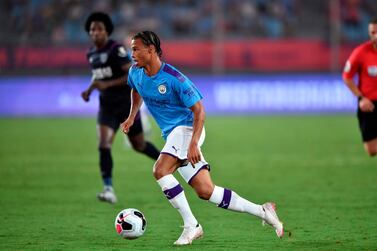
(313, 167)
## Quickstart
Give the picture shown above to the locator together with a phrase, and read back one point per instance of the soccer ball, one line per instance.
(130, 223)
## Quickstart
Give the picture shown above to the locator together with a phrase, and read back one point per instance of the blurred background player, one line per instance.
(110, 62)
(363, 62)
(175, 103)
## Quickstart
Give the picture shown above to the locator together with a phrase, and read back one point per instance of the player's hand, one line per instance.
(126, 125)
(193, 154)
(99, 85)
(366, 105)
(85, 95)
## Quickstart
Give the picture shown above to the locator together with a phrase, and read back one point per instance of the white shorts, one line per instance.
(177, 144)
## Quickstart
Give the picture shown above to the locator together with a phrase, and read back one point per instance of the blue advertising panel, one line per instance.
(231, 94)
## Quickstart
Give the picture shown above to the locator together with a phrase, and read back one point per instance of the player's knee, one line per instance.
(137, 143)
(138, 147)
(371, 150)
(204, 192)
(103, 144)
(158, 171)
(104, 148)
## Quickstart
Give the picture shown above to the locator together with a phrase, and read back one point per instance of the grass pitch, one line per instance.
(313, 167)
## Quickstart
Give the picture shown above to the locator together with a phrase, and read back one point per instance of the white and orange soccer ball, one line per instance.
(130, 223)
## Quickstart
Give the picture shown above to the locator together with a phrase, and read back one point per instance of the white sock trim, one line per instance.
(167, 182)
(217, 195)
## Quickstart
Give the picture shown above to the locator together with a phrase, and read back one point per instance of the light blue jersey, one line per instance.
(168, 95)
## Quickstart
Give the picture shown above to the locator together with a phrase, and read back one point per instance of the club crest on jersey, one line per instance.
(372, 70)
(162, 89)
(103, 57)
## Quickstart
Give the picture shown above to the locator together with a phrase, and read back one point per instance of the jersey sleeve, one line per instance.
(352, 64)
(129, 78)
(187, 92)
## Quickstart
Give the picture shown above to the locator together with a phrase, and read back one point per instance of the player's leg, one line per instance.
(105, 140)
(107, 126)
(222, 197)
(228, 199)
(371, 147)
(368, 128)
(163, 171)
(199, 178)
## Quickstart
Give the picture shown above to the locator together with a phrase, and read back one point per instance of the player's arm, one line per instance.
(86, 94)
(351, 68)
(136, 102)
(350, 83)
(104, 84)
(365, 104)
(193, 154)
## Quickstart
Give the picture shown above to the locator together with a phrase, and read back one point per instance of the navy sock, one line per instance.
(106, 165)
(108, 181)
(151, 151)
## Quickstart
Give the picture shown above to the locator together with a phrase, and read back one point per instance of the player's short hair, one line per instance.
(100, 17)
(373, 20)
(150, 38)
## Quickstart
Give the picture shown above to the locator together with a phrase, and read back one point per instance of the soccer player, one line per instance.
(175, 103)
(363, 62)
(110, 63)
